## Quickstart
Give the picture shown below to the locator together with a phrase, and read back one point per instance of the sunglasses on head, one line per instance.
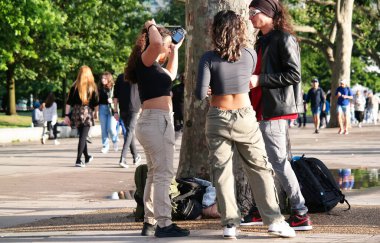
(253, 12)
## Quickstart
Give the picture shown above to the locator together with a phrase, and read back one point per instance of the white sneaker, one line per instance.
(123, 163)
(104, 150)
(43, 139)
(56, 142)
(229, 232)
(281, 229)
(115, 147)
(137, 161)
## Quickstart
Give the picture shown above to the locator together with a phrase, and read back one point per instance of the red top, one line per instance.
(256, 96)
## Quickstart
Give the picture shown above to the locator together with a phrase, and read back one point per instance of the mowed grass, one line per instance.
(22, 119)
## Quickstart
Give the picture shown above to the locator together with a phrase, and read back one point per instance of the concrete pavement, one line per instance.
(39, 182)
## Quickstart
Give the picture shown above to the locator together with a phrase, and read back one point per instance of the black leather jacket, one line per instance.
(280, 76)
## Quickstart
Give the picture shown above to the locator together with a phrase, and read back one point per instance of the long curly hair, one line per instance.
(85, 84)
(229, 34)
(141, 44)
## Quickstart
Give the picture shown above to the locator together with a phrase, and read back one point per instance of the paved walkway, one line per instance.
(39, 182)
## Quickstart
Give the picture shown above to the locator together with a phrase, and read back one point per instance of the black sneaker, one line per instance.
(89, 159)
(80, 164)
(148, 229)
(253, 218)
(171, 231)
(316, 131)
(300, 222)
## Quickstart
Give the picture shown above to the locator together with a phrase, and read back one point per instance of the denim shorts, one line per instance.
(316, 110)
(345, 109)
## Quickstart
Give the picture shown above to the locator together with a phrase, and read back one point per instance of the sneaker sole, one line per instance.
(79, 165)
(229, 237)
(302, 228)
(172, 235)
(276, 233)
(251, 223)
(123, 166)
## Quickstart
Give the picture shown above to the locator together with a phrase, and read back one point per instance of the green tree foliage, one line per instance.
(172, 16)
(318, 17)
(43, 43)
(29, 33)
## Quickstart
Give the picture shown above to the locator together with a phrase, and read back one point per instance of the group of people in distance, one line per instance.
(351, 108)
(252, 93)
(45, 115)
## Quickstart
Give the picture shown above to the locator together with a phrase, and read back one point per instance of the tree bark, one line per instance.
(199, 17)
(194, 153)
(11, 89)
(342, 53)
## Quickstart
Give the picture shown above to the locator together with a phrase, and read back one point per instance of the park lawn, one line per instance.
(22, 119)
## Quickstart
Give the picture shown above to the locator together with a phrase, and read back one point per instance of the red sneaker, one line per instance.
(300, 222)
(253, 218)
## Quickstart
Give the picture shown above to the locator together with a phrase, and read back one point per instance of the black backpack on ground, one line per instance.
(188, 205)
(318, 186)
(140, 180)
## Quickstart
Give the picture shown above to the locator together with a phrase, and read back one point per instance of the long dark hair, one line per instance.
(229, 34)
(49, 100)
(141, 44)
(282, 20)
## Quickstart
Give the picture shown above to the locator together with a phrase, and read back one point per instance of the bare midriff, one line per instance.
(231, 101)
(160, 103)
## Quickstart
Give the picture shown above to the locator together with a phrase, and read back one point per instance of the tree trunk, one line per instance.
(342, 54)
(11, 89)
(64, 96)
(194, 153)
(199, 18)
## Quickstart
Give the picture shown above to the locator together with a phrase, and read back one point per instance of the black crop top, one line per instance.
(153, 81)
(225, 77)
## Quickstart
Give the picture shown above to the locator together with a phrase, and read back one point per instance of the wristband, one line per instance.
(147, 29)
(67, 114)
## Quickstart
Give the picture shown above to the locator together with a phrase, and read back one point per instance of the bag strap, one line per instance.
(187, 194)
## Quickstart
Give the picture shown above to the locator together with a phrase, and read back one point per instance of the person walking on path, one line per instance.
(178, 99)
(316, 97)
(359, 106)
(373, 107)
(231, 123)
(301, 120)
(277, 97)
(127, 101)
(155, 128)
(83, 100)
(107, 121)
(50, 116)
(344, 95)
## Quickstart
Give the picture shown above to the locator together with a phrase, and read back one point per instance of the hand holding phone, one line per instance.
(178, 35)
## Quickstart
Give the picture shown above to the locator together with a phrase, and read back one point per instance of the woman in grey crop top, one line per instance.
(154, 128)
(231, 123)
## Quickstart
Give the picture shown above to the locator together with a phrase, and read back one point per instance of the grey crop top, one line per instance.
(153, 81)
(225, 77)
